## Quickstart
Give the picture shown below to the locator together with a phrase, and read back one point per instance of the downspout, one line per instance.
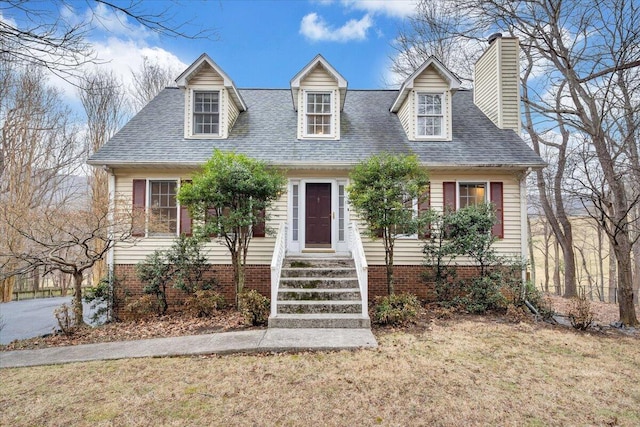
(111, 188)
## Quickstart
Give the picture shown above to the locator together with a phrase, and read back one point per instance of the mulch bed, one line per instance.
(179, 324)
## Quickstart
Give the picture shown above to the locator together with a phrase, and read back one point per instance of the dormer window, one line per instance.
(212, 103)
(430, 118)
(423, 104)
(206, 112)
(319, 112)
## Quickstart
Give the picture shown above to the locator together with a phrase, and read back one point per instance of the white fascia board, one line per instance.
(407, 85)
(183, 79)
(319, 59)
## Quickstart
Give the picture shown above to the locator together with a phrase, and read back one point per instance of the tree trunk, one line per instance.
(77, 299)
(388, 258)
(613, 291)
(636, 272)
(601, 263)
(7, 288)
(547, 237)
(625, 293)
(238, 274)
(556, 268)
(35, 275)
(532, 260)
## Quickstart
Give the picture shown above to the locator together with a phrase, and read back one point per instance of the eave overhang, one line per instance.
(407, 85)
(183, 79)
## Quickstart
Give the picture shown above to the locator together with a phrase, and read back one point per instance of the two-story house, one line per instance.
(317, 130)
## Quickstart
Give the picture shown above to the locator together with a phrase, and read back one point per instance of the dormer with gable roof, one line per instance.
(212, 101)
(423, 103)
(318, 92)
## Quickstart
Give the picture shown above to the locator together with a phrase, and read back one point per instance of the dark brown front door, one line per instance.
(318, 216)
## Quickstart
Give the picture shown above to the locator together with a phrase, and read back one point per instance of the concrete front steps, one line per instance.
(319, 292)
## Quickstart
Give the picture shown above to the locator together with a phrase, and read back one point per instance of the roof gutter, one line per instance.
(314, 165)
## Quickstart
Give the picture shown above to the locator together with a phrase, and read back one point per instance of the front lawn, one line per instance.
(462, 371)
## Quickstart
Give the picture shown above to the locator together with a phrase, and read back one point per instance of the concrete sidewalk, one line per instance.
(264, 340)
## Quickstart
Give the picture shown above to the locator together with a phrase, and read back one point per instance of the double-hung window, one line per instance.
(472, 194)
(163, 207)
(206, 113)
(318, 117)
(430, 119)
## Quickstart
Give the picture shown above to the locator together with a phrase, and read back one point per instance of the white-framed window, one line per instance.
(318, 115)
(163, 207)
(471, 194)
(430, 116)
(206, 112)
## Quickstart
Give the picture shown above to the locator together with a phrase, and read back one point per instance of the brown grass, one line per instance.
(470, 371)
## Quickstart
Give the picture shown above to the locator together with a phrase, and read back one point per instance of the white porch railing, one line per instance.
(279, 252)
(357, 251)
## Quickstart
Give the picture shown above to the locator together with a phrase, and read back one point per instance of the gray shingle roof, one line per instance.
(267, 131)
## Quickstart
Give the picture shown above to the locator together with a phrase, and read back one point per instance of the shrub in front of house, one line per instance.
(396, 309)
(254, 307)
(204, 303)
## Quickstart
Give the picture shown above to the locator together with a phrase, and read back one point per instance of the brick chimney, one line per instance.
(497, 82)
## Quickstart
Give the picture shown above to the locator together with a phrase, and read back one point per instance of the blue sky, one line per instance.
(264, 43)
(258, 43)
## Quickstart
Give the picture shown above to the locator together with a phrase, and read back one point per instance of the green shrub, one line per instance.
(480, 294)
(254, 307)
(102, 298)
(204, 303)
(396, 309)
(181, 266)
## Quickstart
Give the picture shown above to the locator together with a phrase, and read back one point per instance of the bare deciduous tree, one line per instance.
(39, 150)
(103, 99)
(71, 241)
(431, 31)
(37, 33)
(149, 80)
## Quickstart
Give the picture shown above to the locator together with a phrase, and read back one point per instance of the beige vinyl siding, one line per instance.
(319, 80)
(206, 76)
(232, 116)
(486, 83)
(497, 83)
(406, 116)
(510, 84)
(409, 251)
(260, 250)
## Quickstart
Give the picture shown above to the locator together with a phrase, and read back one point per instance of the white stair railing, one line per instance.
(357, 251)
(279, 251)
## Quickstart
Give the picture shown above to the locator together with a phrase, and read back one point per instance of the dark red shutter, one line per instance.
(259, 229)
(186, 222)
(449, 195)
(139, 203)
(424, 207)
(497, 200)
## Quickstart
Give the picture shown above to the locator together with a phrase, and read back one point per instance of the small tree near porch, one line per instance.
(386, 190)
(228, 197)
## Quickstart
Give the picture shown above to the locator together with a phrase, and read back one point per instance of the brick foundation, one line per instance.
(258, 277)
(408, 278)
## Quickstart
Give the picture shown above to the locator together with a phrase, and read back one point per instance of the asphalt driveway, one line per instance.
(31, 318)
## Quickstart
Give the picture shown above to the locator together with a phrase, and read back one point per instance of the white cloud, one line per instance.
(392, 8)
(316, 28)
